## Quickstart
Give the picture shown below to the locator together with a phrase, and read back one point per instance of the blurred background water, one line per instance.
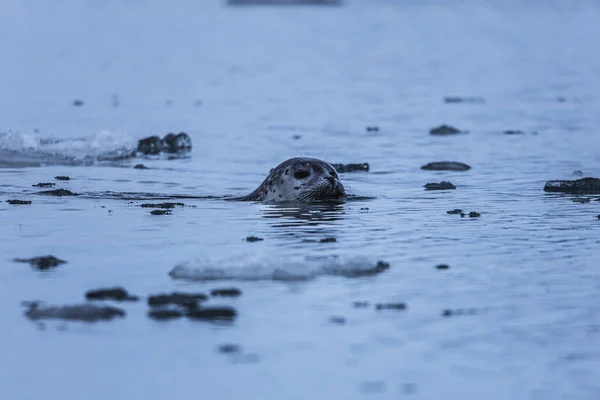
(254, 86)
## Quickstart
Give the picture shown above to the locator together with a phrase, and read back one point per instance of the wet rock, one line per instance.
(151, 145)
(253, 239)
(226, 292)
(18, 202)
(328, 240)
(513, 132)
(188, 300)
(582, 200)
(455, 211)
(78, 103)
(474, 214)
(171, 143)
(80, 312)
(390, 306)
(446, 166)
(44, 184)
(115, 293)
(442, 266)
(337, 320)
(439, 186)
(140, 166)
(444, 130)
(344, 168)
(229, 348)
(162, 205)
(58, 192)
(42, 263)
(579, 186)
(213, 313)
(360, 304)
(160, 212)
(62, 178)
(460, 99)
(372, 129)
(163, 314)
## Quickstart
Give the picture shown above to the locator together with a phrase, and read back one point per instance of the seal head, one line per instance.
(300, 179)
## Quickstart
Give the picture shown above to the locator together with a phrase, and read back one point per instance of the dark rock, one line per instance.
(444, 130)
(58, 192)
(446, 166)
(372, 129)
(252, 239)
(227, 292)
(62, 178)
(150, 145)
(582, 200)
(140, 166)
(460, 99)
(455, 211)
(80, 312)
(45, 262)
(165, 313)
(439, 186)
(328, 240)
(78, 103)
(229, 348)
(344, 168)
(171, 143)
(337, 320)
(160, 212)
(188, 300)
(583, 185)
(390, 306)
(162, 205)
(598, 216)
(213, 313)
(513, 132)
(16, 202)
(474, 214)
(44, 184)
(116, 293)
(442, 266)
(360, 304)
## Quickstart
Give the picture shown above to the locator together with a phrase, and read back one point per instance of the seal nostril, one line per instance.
(331, 180)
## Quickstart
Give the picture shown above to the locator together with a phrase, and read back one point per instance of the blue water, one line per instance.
(254, 86)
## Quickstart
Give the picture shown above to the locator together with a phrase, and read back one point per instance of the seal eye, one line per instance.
(301, 174)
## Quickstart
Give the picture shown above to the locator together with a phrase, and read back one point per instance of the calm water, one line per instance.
(244, 83)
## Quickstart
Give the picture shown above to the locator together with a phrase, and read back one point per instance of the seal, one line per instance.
(299, 179)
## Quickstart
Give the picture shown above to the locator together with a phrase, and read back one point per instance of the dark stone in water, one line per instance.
(580, 186)
(165, 313)
(455, 211)
(17, 202)
(328, 240)
(474, 214)
(442, 266)
(513, 132)
(229, 348)
(171, 143)
(460, 99)
(140, 166)
(78, 103)
(160, 212)
(116, 293)
(62, 178)
(439, 186)
(161, 205)
(188, 300)
(344, 168)
(444, 130)
(213, 313)
(372, 129)
(226, 292)
(45, 262)
(58, 192)
(446, 166)
(44, 184)
(390, 306)
(80, 312)
(252, 239)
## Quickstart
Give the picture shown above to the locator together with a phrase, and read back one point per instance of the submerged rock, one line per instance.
(140, 166)
(442, 266)
(44, 262)
(344, 168)
(439, 186)
(115, 293)
(253, 239)
(455, 211)
(579, 186)
(188, 300)
(44, 184)
(80, 312)
(18, 202)
(213, 313)
(160, 212)
(62, 178)
(372, 129)
(446, 166)
(58, 192)
(166, 313)
(444, 130)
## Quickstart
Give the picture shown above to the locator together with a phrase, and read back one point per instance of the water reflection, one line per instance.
(287, 215)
